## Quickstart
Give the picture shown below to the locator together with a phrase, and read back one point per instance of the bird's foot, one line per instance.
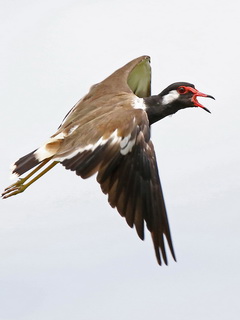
(14, 189)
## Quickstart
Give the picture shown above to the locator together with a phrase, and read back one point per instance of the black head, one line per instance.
(182, 95)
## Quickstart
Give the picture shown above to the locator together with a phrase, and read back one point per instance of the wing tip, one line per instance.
(160, 251)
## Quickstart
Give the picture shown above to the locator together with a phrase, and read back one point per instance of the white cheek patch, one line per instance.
(170, 97)
(138, 103)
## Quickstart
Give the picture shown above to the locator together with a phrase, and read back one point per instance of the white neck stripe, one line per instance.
(170, 97)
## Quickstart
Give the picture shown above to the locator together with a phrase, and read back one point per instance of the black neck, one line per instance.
(156, 110)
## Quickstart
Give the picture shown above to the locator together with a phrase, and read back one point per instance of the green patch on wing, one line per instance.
(139, 79)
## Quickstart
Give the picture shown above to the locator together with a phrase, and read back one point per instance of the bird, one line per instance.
(108, 133)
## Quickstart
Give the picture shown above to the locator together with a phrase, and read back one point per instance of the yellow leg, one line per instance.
(19, 186)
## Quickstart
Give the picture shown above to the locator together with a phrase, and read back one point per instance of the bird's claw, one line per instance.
(14, 189)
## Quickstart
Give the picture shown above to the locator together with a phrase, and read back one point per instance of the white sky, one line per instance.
(65, 253)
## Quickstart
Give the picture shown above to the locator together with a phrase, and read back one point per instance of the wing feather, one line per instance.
(132, 78)
(133, 187)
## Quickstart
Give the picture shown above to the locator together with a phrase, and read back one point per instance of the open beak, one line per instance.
(196, 94)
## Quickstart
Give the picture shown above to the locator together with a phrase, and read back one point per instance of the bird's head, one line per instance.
(182, 95)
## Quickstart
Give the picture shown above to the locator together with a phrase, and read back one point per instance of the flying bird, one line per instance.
(108, 132)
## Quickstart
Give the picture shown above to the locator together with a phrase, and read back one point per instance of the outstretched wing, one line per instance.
(124, 157)
(104, 98)
(134, 77)
(133, 187)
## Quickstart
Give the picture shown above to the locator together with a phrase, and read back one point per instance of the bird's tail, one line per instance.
(34, 160)
(24, 164)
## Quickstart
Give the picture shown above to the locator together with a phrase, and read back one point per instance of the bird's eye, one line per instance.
(182, 90)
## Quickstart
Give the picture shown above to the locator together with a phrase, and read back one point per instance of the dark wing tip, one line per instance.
(160, 251)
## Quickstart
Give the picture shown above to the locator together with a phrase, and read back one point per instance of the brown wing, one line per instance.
(134, 77)
(127, 171)
(104, 98)
(133, 187)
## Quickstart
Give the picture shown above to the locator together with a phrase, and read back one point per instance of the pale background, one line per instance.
(64, 253)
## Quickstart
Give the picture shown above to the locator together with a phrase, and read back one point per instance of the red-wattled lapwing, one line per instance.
(108, 132)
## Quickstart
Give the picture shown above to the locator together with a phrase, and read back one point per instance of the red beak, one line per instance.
(196, 94)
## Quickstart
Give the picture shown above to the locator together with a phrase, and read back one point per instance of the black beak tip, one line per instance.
(206, 109)
(208, 96)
